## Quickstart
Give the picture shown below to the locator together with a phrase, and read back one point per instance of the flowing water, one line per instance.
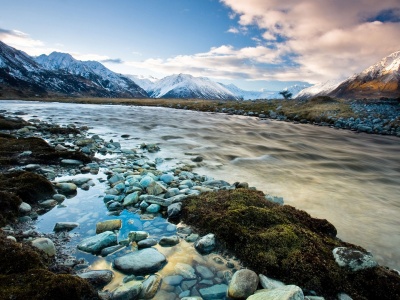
(352, 180)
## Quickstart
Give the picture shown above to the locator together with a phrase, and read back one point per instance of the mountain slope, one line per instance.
(187, 86)
(319, 89)
(93, 71)
(379, 80)
(145, 82)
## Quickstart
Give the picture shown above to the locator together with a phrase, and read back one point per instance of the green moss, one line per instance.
(30, 187)
(282, 242)
(42, 284)
(42, 153)
(23, 275)
(9, 204)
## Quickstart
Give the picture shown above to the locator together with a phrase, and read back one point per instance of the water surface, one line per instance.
(352, 180)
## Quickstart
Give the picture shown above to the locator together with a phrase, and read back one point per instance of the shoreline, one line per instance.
(147, 149)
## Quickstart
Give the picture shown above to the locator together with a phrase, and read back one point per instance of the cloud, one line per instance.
(233, 30)
(328, 39)
(22, 41)
(113, 61)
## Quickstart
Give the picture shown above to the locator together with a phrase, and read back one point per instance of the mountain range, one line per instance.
(59, 74)
(381, 80)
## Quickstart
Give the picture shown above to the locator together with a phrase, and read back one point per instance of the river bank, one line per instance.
(369, 116)
(181, 184)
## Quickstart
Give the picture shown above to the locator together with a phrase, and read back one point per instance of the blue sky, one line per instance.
(255, 44)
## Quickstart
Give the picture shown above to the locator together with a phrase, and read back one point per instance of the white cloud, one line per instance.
(329, 38)
(233, 30)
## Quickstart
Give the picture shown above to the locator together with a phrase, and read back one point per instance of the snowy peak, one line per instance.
(188, 86)
(93, 71)
(145, 82)
(319, 89)
(381, 80)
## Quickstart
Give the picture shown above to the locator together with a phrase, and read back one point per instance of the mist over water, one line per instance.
(352, 180)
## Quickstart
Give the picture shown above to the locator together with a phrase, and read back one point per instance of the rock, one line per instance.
(353, 259)
(188, 284)
(112, 249)
(109, 225)
(197, 159)
(174, 210)
(59, 197)
(173, 280)
(80, 180)
(147, 243)
(192, 298)
(214, 292)
(98, 242)
(71, 162)
(140, 262)
(128, 291)
(287, 292)
(154, 188)
(155, 200)
(216, 183)
(66, 188)
(189, 183)
(204, 272)
(116, 179)
(167, 178)
(191, 238)
(268, 283)
(343, 296)
(146, 181)
(171, 192)
(168, 241)
(131, 199)
(136, 236)
(153, 208)
(205, 244)
(150, 286)
(65, 226)
(185, 270)
(243, 185)
(48, 203)
(243, 284)
(98, 278)
(10, 237)
(46, 245)
(24, 208)
(60, 147)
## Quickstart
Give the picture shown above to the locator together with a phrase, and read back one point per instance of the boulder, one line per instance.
(205, 244)
(243, 284)
(287, 292)
(98, 242)
(46, 245)
(109, 225)
(150, 286)
(353, 259)
(168, 241)
(268, 283)
(214, 292)
(65, 226)
(141, 262)
(128, 291)
(98, 278)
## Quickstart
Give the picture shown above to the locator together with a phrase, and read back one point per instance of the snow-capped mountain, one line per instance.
(379, 80)
(145, 82)
(93, 71)
(188, 86)
(263, 94)
(319, 89)
(23, 76)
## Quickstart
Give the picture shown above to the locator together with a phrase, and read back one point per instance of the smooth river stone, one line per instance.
(150, 286)
(109, 225)
(98, 278)
(243, 284)
(141, 262)
(287, 292)
(98, 242)
(46, 245)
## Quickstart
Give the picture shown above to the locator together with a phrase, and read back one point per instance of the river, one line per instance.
(350, 179)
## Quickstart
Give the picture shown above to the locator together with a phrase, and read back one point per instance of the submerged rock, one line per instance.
(140, 262)
(150, 286)
(129, 290)
(96, 243)
(214, 292)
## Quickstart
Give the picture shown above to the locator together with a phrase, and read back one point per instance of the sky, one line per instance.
(255, 44)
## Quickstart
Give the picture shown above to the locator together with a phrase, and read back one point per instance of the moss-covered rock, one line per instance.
(285, 243)
(24, 275)
(30, 187)
(42, 153)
